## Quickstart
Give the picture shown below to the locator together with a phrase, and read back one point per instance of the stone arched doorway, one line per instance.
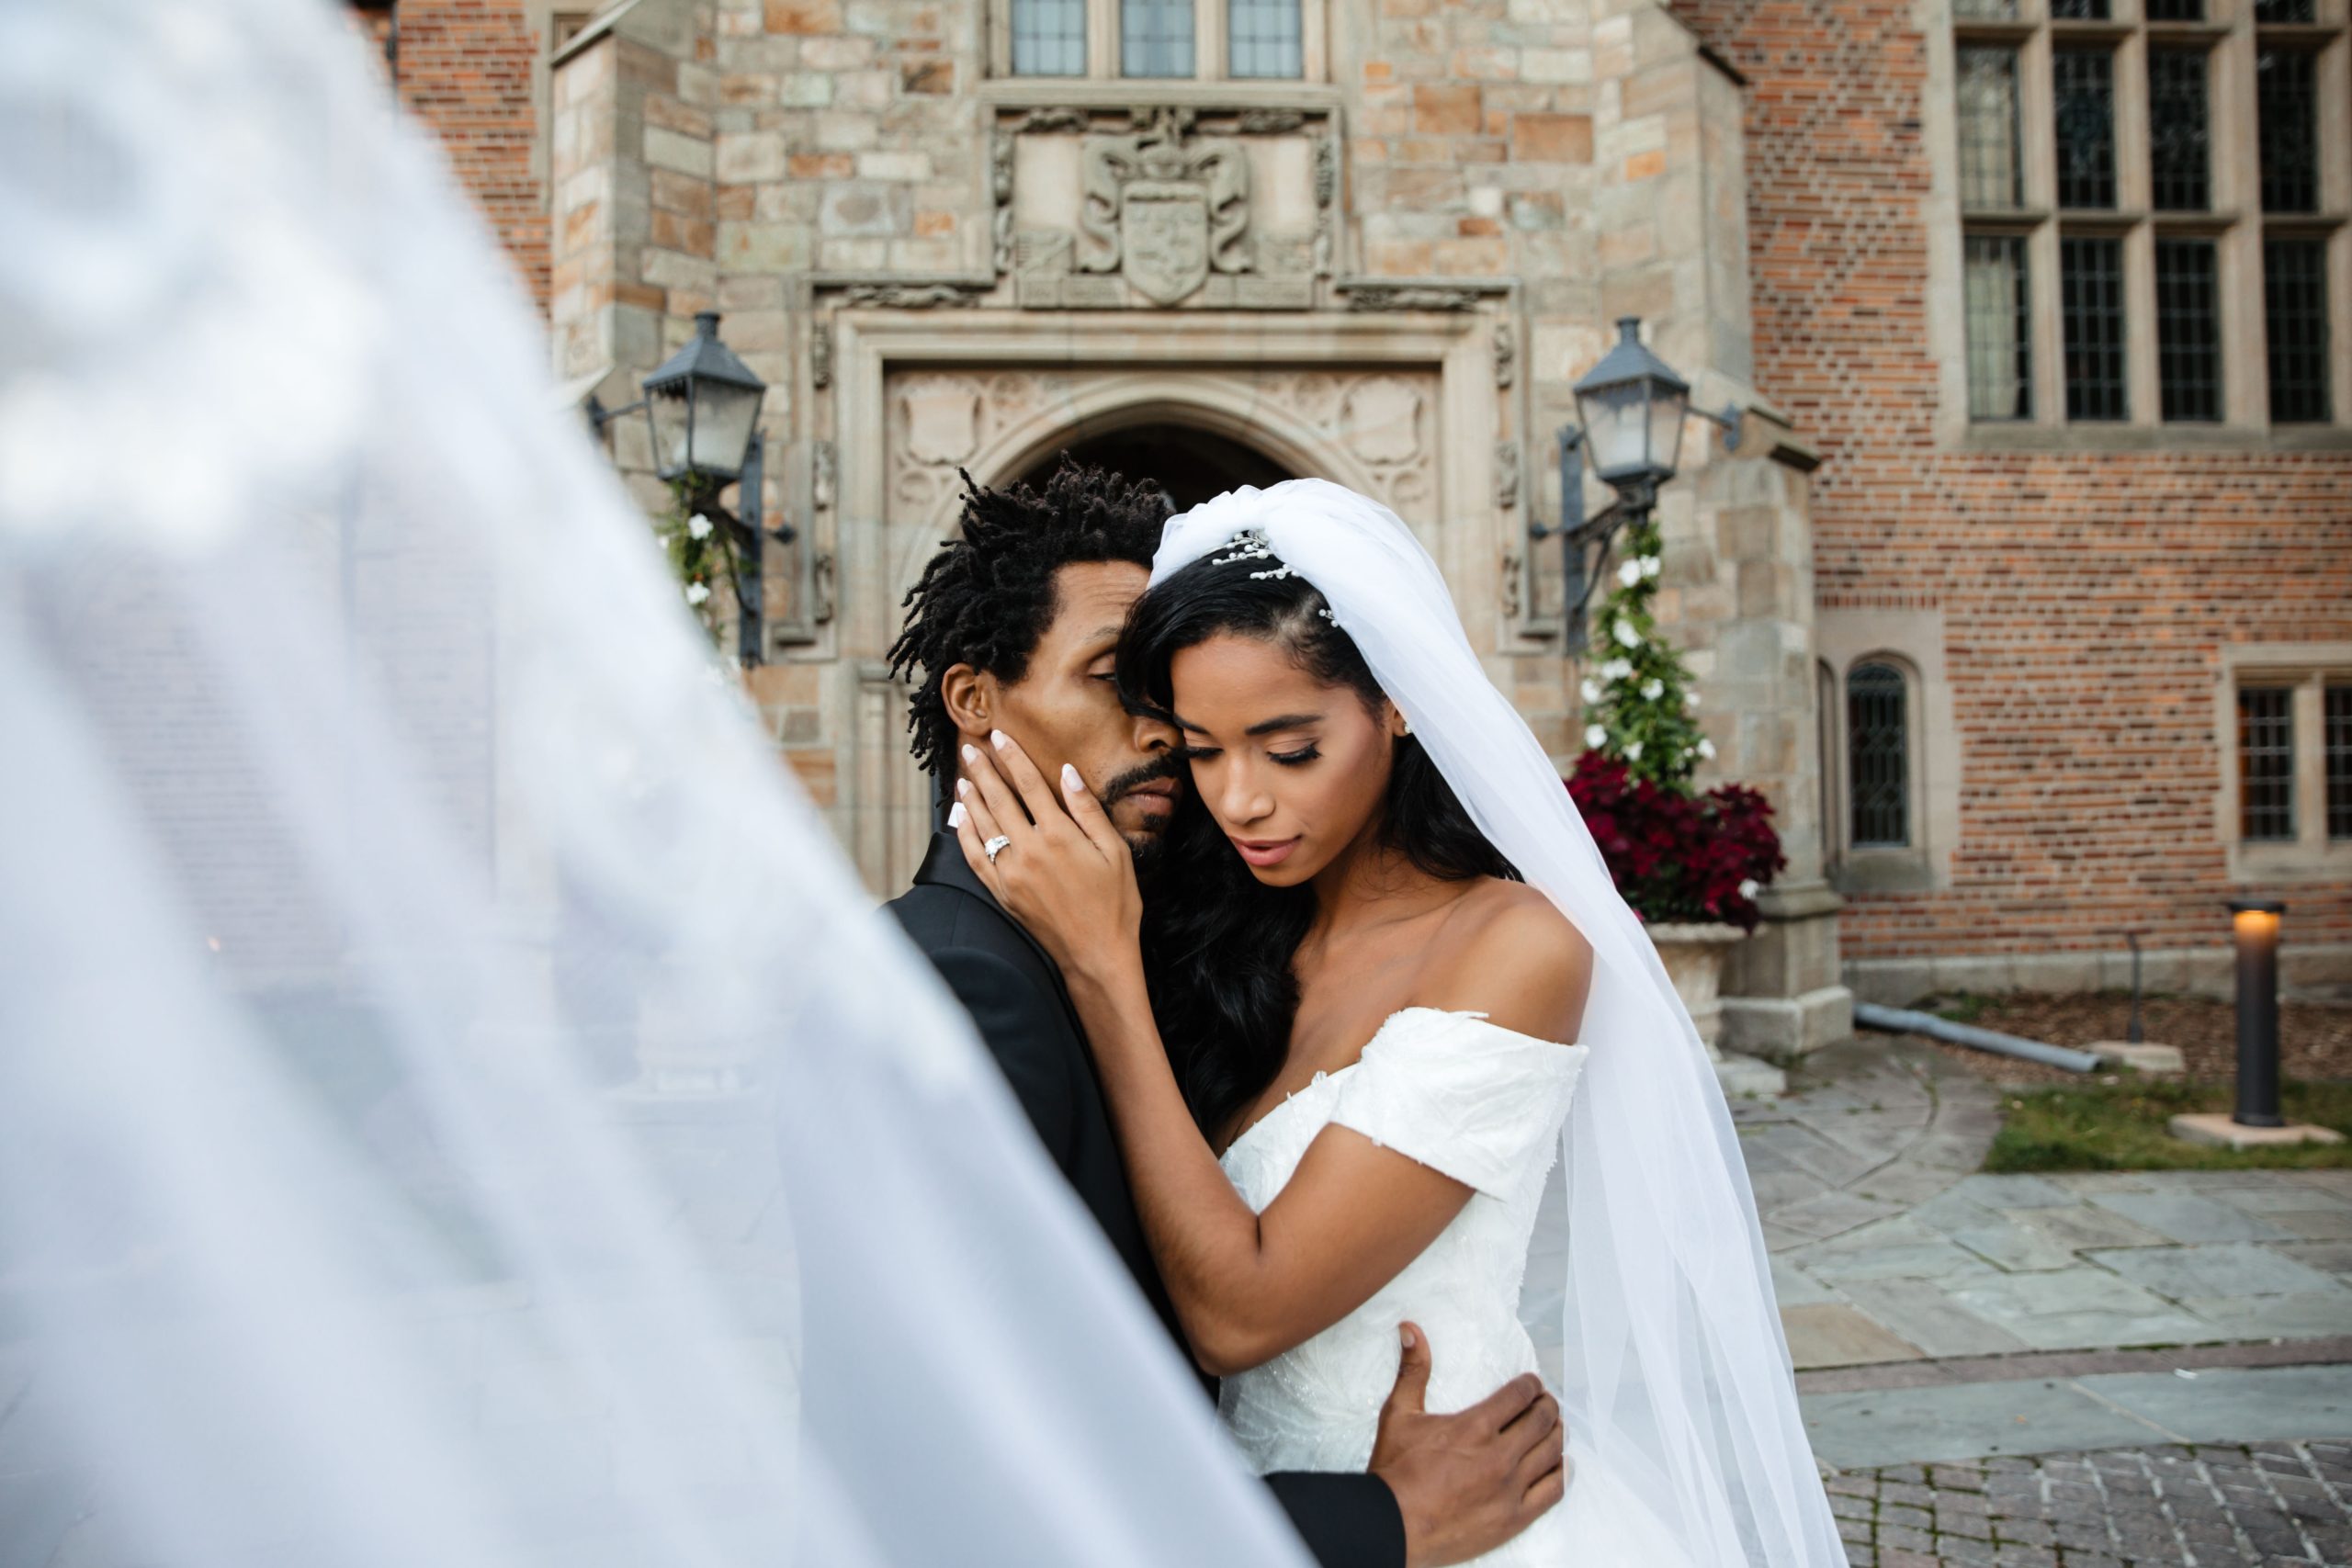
(1197, 430)
(1189, 461)
(1189, 464)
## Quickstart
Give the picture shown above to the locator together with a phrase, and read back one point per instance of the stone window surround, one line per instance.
(1208, 45)
(887, 820)
(2307, 666)
(2236, 222)
(1911, 641)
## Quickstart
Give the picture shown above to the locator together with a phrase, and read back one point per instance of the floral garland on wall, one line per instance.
(702, 555)
(1675, 854)
(1639, 706)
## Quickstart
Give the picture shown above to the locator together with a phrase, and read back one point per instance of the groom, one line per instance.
(1014, 626)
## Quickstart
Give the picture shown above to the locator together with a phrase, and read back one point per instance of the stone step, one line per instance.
(1746, 1076)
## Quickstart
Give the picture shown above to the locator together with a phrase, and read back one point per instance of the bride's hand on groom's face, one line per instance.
(1063, 872)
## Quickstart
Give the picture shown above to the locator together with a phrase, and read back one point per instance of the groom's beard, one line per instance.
(1148, 848)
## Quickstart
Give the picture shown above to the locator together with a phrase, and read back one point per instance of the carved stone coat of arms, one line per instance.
(1162, 209)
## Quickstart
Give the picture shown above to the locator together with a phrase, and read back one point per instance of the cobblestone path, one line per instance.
(2272, 1505)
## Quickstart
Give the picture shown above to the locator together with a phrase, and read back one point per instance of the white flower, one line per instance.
(697, 592)
(1633, 750)
(1594, 735)
(1630, 574)
(1626, 635)
(1690, 700)
(1652, 689)
(698, 526)
(1749, 888)
(1616, 669)
(1706, 748)
(1592, 689)
(1650, 565)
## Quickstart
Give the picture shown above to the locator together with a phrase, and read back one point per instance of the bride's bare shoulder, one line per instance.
(1508, 952)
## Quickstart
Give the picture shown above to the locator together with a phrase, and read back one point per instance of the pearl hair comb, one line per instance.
(1252, 544)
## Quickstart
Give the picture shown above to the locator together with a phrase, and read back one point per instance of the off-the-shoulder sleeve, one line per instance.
(1460, 1096)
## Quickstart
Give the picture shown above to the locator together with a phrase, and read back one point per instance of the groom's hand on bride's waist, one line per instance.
(1469, 1482)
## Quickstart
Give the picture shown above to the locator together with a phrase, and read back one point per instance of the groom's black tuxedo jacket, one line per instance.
(1016, 995)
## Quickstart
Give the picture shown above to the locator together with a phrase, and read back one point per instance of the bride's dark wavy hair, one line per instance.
(1218, 944)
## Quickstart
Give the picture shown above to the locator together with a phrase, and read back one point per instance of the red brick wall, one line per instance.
(2085, 597)
(465, 69)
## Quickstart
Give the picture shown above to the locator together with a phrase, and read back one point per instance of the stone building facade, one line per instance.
(1387, 263)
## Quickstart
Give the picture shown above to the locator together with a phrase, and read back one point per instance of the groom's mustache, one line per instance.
(1168, 765)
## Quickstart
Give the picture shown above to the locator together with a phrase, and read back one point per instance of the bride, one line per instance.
(1344, 1049)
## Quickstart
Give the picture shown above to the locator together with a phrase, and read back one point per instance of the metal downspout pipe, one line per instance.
(1902, 1020)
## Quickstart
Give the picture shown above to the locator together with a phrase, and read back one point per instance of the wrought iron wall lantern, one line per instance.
(1633, 405)
(702, 414)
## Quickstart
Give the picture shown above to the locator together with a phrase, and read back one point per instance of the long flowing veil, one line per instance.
(457, 1107)
(1672, 1360)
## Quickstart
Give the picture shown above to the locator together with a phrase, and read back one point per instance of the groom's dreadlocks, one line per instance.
(986, 597)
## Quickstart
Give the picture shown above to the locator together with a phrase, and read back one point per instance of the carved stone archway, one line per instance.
(1374, 430)
(1188, 464)
(1401, 407)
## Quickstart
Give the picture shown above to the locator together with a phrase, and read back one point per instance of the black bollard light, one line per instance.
(2256, 924)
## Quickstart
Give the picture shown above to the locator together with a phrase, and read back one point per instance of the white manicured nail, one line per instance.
(955, 815)
(1070, 781)
(999, 739)
(971, 753)
(963, 789)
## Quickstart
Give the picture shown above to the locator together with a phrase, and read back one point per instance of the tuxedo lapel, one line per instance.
(943, 866)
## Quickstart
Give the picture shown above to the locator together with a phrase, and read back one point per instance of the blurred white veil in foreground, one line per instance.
(455, 1106)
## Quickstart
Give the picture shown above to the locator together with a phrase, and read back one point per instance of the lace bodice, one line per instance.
(1458, 1094)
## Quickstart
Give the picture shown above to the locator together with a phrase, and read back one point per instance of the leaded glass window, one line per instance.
(1050, 37)
(1156, 38)
(2083, 120)
(2127, 296)
(2179, 164)
(1878, 757)
(2286, 87)
(2090, 306)
(2188, 328)
(2337, 704)
(2000, 328)
(1992, 171)
(2294, 309)
(1262, 37)
(2265, 764)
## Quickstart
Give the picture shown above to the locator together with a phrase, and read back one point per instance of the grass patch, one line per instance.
(2121, 1126)
(1958, 1007)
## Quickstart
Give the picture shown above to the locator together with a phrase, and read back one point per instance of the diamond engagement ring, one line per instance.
(993, 845)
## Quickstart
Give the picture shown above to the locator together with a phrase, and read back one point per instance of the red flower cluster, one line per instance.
(1676, 856)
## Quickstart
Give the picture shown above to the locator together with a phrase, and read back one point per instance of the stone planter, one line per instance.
(1694, 962)
(1693, 954)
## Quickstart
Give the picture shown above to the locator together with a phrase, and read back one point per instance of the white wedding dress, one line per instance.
(1674, 1376)
(1485, 1106)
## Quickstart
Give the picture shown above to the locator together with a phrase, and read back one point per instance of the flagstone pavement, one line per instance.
(2116, 1370)
(1888, 1246)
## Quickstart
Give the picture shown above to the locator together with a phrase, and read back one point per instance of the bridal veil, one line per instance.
(457, 1107)
(1672, 1358)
